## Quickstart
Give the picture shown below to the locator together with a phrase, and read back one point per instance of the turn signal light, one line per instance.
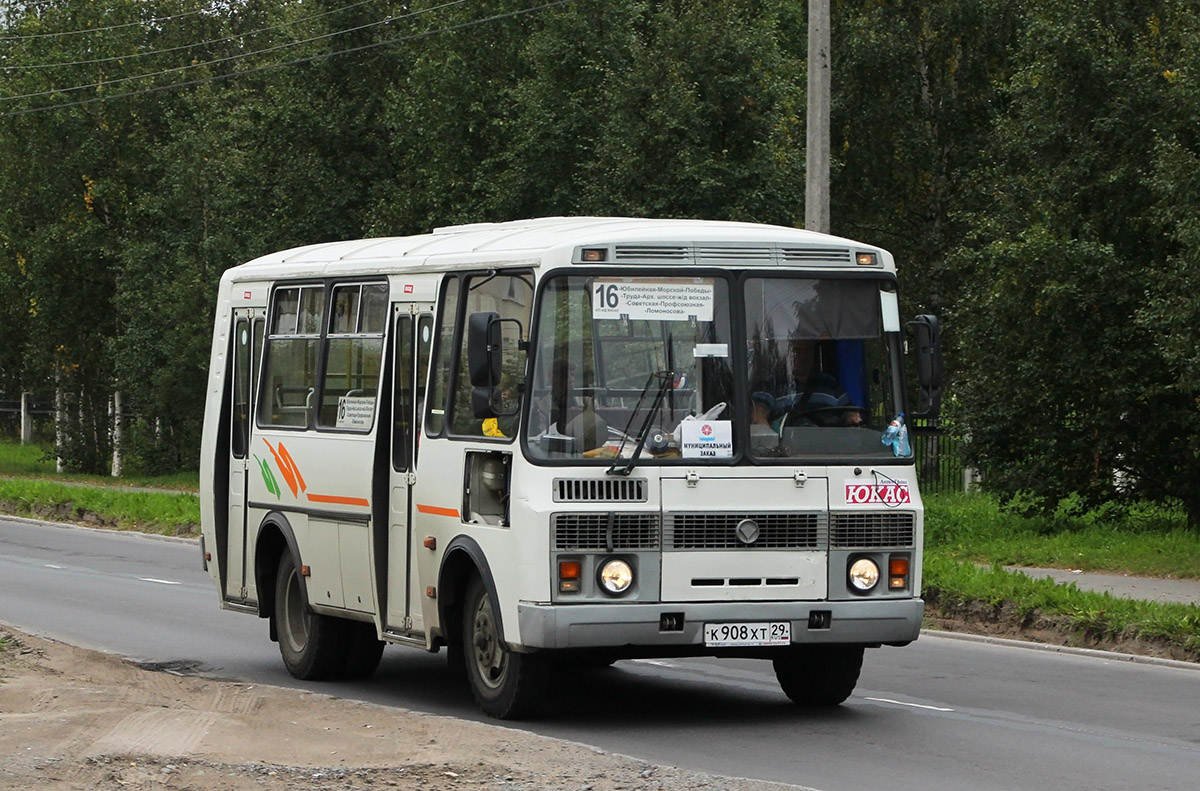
(568, 576)
(898, 573)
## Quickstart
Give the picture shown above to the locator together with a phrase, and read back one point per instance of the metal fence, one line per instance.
(41, 412)
(939, 458)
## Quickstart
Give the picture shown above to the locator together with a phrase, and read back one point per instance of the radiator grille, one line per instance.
(862, 530)
(599, 490)
(719, 531)
(605, 531)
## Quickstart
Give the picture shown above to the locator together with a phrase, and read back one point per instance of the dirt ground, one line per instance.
(71, 718)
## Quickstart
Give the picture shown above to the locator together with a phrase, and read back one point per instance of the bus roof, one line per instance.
(524, 240)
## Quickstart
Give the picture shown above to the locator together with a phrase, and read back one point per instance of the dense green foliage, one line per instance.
(1075, 371)
(1033, 165)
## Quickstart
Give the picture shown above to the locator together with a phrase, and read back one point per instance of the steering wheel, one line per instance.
(800, 412)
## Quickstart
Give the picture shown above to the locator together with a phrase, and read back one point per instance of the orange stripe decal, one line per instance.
(334, 499)
(437, 511)
(287, 457)
(284, 468)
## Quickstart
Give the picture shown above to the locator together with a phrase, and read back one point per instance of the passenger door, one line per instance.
(248, 326)
(413, 339)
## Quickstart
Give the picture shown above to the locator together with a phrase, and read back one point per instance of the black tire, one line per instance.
(505, 684)
(313, 646)
(819, 675)
(363, 651)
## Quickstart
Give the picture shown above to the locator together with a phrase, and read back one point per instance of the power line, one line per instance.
(229, 58)
(296, 62)
(62, 33)
(144, 53)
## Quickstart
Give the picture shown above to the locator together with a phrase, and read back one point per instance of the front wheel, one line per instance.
(505, 684)
(819, 675)
(312, 645)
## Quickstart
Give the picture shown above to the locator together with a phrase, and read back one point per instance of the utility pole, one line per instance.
(816, 188)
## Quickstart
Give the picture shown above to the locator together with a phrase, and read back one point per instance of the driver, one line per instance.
(815, 394)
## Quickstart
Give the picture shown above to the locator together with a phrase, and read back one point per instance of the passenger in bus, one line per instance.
(551, 410)
(561, 413)
(503, 426)
(763, 411)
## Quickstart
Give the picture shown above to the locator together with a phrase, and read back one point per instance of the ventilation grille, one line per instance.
(719, 531)
(599, 490)
(871, 530)
(605, 531)
(706, 255)
(629, 252)
(717, 254)
(816, 255)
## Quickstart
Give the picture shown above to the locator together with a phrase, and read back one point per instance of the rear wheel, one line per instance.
(312, 646)
(819, 675)
(363, 651)
(505, 684)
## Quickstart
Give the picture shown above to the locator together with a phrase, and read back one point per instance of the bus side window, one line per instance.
(354, 353)
(435, 409)
(511, 296)
(239, 437)
(402, 396)
(291, 349)
(424, 348)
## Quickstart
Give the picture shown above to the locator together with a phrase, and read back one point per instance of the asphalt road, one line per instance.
(940, 714)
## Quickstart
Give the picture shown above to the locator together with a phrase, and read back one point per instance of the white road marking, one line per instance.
(911, 705)
(160, 582)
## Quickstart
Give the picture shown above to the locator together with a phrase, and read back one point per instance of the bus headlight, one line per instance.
(616, 576)
(864, 574)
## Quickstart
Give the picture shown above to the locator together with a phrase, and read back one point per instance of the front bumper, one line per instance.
(638, 626)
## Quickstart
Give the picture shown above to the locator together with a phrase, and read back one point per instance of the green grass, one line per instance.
(969, 538)
(1141, 540)
(955, 586)
(37, 461)
(166, 513)
(29, 486)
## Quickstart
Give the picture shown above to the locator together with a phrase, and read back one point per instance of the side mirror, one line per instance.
(928, 338)
(484, 358)
(484, 354)
(485, 362)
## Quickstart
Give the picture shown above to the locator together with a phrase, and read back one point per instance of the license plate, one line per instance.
(719, 635)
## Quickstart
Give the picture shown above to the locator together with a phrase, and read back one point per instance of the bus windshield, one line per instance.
(650, 367)
(822, 376)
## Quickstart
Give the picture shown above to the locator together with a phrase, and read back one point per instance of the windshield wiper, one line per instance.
(666, 382)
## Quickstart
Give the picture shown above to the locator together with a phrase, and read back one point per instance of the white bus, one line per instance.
(569, 440)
